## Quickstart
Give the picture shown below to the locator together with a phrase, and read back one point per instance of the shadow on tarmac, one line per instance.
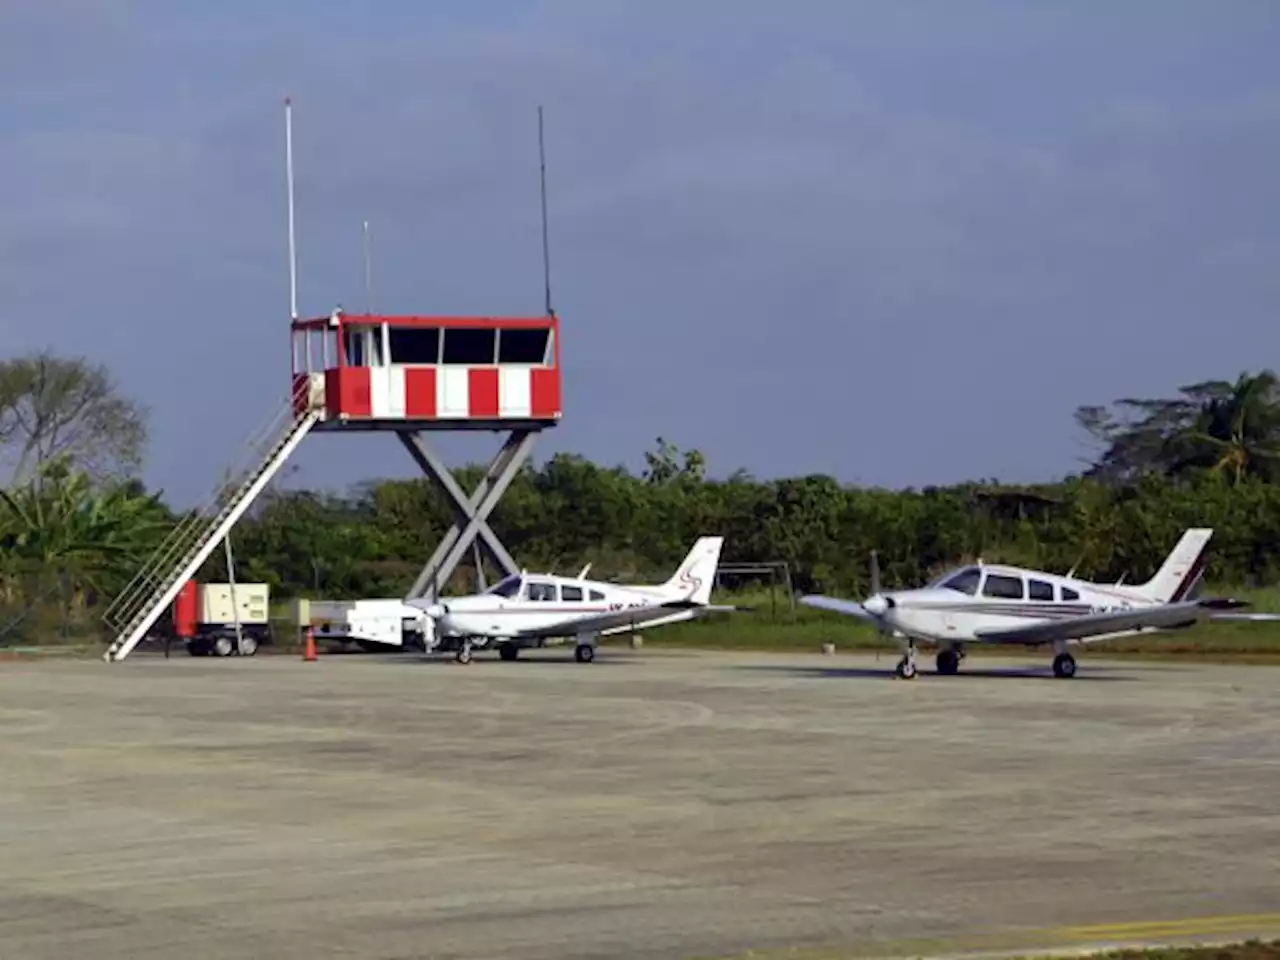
(1036, 672)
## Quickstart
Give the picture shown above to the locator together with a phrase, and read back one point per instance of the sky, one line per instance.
(899, 243)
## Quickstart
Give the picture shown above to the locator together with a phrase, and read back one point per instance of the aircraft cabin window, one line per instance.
(542, 591)
(1069, 594)
(1005, 588)
(509, 587)
(966, 581)
(568, 593)
(1040, 590)
(597, 596)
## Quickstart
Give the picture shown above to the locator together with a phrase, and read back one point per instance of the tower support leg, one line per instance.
(471, 513)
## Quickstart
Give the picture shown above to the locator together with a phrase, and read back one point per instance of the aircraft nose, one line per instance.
(877, 605)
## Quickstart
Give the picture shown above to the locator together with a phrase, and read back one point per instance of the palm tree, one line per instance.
(1236, 429)
(1217, 425)
(61, 522)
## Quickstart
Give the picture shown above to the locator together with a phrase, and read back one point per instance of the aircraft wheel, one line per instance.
(906, 668)
(224, 646)
(508, 651)
(463, 655)
(1064, 666)
(248, 646)
(584, 653)
(948, 662)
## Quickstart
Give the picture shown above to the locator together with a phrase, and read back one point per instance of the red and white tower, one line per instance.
(409, 375)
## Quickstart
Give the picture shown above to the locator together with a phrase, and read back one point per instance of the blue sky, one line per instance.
(895, 242)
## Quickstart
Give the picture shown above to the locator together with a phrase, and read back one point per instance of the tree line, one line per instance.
(76, 523)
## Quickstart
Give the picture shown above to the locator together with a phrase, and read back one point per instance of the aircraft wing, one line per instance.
(1096, 625)
(627, 617)
(848, 607)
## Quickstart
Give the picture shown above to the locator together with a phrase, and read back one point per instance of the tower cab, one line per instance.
(372, 372)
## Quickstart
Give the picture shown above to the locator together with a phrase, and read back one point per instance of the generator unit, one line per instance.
(205, 615)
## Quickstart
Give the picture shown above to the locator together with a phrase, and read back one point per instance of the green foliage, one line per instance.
(65, 540)
(1204, 459)
(569, 511)
(1223, 427)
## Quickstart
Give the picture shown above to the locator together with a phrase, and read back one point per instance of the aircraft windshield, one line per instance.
(964, 581)
(507, 587)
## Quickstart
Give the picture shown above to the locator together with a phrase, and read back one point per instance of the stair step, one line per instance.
(142, 600)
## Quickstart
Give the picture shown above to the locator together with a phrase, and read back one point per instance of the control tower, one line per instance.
(409, 375)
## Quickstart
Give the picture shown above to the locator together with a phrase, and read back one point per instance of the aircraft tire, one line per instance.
(584, 653)
(906, 669)
(463, 655)
(508, 650)
(948, 662)
(1064, 666)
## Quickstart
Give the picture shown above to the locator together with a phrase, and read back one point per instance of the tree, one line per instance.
(1215, 425)
(666, 464)
(54, 406)
(1237, 428)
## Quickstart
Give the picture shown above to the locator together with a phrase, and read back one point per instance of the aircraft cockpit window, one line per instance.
(542, 591)
(1040, 590)
(966, 581)
(507, 587)
(570, 594)
(1005, 588)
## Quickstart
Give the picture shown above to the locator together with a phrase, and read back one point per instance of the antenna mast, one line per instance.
(368, 272)
(546, 247)
(293, 249)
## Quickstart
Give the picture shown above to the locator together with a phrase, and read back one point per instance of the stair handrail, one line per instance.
(187, 532)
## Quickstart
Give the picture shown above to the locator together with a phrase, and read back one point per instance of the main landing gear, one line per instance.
(949, 660)
(509, 650)
(1064, 666)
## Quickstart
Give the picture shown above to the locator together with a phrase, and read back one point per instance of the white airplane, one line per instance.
(984, 603)
(524, 610)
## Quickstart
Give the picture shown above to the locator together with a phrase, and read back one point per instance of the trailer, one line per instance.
(374, 624)
(206, 617)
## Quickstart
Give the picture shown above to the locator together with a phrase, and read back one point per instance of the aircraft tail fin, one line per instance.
(696, 574)
(1179, 576)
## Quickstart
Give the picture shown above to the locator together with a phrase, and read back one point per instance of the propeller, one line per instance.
(877, 604)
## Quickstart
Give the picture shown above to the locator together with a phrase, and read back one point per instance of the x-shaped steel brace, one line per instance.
(472, 512)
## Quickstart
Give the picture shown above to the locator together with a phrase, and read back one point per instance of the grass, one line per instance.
(1248, 950)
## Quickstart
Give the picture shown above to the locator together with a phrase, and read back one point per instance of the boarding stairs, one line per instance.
(132, 613)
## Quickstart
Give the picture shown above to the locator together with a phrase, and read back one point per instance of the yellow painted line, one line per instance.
(1188, 926)
(1036, 942)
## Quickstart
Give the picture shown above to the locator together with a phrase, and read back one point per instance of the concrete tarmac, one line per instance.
(651, 804)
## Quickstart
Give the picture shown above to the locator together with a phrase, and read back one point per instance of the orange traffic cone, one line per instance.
(309, 654)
